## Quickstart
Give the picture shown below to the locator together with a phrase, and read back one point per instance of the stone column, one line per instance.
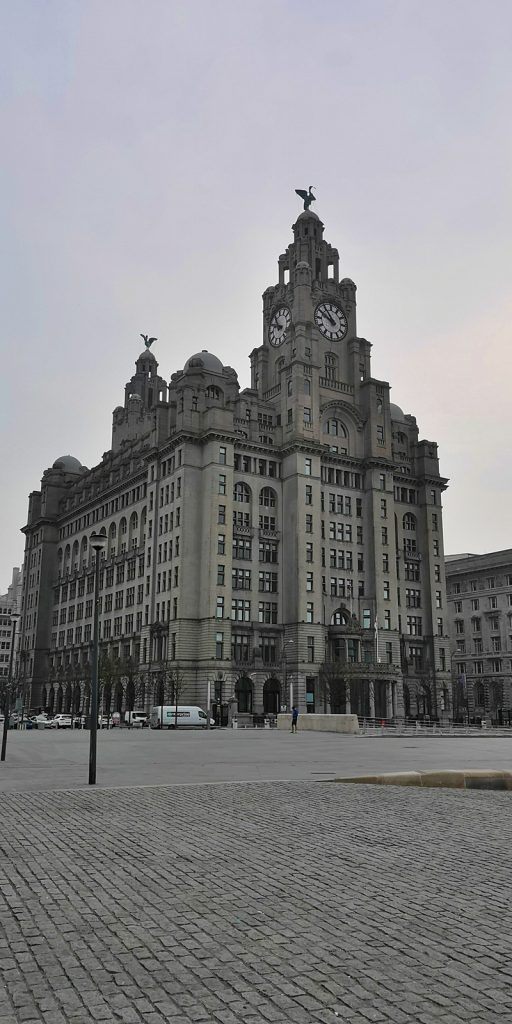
(347, 700)
(389, 700)
(371, 689)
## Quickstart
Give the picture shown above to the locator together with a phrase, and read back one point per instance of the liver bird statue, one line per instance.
(147, 340)
(308, 197)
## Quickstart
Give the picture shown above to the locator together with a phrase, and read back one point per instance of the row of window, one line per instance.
(493, 623)
(491, 582)
(478, 645)
(109, 508)
(492, 603)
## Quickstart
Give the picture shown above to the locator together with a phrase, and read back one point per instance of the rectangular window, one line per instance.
(309, 554)
(493, 602)
(385, 563)
(267, 612)
(310, 611)
(309, 495)
(267, 582)
(435, 548)
(414, 625)
(219, 646)
(384, 535)
(437, 573)
(380, 433)
(267, 550)
(385, 590)
(367, 618)
(221, 544)
(387, 619)
(435, 525)
(440, 629)
(222, 483)
(222, 455)
(476, 624)
(308, 467)
(383, 508)
(439, 602)
(221, 518)
(311, 648)
(475, 604)
(240, 610)
(309, 581)
(241, 579)
(382, 481)
(309, 524)
(459, 626)
(219, 610)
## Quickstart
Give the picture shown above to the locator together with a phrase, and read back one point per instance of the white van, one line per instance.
(137, 719)
(187, 716)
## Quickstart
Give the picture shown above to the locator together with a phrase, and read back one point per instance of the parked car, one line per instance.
(61, 722)
(41, 721)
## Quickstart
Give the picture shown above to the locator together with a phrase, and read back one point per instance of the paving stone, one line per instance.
(280, 903)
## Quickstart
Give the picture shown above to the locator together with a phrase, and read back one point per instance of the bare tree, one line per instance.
(332, 685)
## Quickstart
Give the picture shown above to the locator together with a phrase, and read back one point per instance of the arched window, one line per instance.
(133, 530)
(340, 617)
(123, 526)
(335, 428)
(143, 517)
(268, 497)
(409, 521)
(241, 492)
(74, 560)
(112, 540)
(243, 693)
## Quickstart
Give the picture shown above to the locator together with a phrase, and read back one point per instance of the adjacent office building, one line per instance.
(10, 603)
(480, 621)
(282, 542)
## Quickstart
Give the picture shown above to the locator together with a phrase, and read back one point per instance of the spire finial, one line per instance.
(147, 340)
(308, 197)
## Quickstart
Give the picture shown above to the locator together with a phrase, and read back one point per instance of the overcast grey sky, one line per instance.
(151, 150)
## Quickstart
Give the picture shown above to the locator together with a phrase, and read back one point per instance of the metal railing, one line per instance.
(392, 727)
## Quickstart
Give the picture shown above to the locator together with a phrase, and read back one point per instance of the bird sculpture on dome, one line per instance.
(147, 340)
(308, 197)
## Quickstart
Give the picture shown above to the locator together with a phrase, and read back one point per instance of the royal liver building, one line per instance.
(279, 543)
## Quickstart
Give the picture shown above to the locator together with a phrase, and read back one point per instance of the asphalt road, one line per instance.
(50, 760)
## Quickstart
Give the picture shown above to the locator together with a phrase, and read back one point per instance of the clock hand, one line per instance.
(329, 318)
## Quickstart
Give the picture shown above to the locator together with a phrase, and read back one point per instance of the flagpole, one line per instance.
(377, 656)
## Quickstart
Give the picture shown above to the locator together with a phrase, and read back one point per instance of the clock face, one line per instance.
(279, 326)
(331, 321)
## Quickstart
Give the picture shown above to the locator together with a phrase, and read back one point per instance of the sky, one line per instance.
(150, 154)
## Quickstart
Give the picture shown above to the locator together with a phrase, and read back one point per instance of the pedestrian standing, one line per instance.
(295, 715)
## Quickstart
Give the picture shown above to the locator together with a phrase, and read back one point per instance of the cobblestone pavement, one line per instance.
(49, 759)
(253, 903)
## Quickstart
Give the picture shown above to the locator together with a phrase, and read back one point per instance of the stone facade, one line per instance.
(282, 543)
(9, 603)
(480, 620)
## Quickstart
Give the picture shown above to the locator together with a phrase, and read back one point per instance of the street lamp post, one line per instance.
(98, 543)
(7, 710)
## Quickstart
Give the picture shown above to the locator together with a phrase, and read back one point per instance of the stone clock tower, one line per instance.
(309, 320)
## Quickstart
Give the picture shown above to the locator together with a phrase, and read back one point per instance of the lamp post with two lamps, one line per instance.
(7, 701)
(98, 542)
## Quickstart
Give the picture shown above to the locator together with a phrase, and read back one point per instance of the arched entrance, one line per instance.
(76, 699)
(60, 698)
(67, 699)
(243, 693)
(43, 698)
(51, 700)
(271, 697)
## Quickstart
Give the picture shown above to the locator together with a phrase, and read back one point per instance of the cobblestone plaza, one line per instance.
(293, 901)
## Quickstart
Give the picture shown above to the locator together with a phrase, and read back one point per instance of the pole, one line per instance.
(94, 674)
(208, 702)
(7, 710)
